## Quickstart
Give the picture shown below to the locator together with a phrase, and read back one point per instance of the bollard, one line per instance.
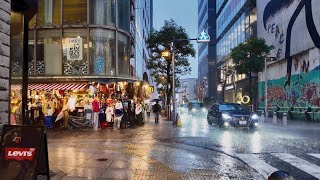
(275, 118)
(178, 120)
(284, 119)
(262, 116)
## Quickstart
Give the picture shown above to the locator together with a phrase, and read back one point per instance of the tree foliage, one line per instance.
(161, 68)
(249, 56)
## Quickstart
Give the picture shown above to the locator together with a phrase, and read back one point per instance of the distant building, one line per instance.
(187, 90)
(236, 22)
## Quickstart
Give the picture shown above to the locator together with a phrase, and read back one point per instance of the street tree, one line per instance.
(249, 57)
(161, 67)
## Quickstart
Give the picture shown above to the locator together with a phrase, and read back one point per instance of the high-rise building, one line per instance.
(236, 22)
(142, 27)
(206, 51)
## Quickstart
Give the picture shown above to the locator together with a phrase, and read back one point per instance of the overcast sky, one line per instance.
(185, 14)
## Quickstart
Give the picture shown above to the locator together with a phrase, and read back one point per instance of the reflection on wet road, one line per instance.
(196, 150)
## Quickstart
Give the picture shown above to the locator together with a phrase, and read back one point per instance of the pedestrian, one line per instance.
(109, 115)
(148, 110)
(156, 111)
(139, 113)
(118, 114)
(96, 110)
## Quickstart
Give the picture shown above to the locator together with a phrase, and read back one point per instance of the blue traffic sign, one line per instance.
(203, 37)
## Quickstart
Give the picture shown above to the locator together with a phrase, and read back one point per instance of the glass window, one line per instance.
(49, 61)
(49, 12)
(75, 52)
(16, 40)
(102, 52)
(75, 12)
(102, 12)
(123, 55)
(124, 14)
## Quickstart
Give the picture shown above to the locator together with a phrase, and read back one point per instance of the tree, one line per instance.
(249, 57)
(161, 67)
(227, 71)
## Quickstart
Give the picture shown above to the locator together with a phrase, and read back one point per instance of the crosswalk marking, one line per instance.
(254, 161)
(304, 165)
(315, 155)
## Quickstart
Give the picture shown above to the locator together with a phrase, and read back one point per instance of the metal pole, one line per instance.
(265, 90)
(173, 82)
(25, 118)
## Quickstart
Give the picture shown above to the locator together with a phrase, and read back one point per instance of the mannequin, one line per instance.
(118, 113)
(96, 110)
(88, 111)
(109, 113)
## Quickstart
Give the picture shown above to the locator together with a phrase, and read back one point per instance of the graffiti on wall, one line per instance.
(282, 20)
(304, 92)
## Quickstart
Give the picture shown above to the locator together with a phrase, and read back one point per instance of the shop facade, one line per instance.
(78, 48)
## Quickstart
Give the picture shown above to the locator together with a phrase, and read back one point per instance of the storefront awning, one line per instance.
(75, 86)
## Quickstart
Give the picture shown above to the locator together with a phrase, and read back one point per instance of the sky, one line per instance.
(185, 14)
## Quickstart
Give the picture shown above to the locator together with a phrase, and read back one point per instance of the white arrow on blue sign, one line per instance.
(203, 37)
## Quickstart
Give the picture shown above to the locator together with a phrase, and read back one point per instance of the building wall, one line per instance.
(5, 9)
(304, 83)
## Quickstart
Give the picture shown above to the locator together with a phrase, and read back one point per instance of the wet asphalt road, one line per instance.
(196, 150)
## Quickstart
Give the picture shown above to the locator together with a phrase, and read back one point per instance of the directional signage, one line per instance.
(203, 37)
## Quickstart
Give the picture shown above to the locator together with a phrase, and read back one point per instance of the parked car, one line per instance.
(196, 108)
(231, 114)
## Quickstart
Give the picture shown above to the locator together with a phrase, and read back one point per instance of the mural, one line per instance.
(292, 27)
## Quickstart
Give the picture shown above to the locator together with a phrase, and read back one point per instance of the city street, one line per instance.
(195, 150)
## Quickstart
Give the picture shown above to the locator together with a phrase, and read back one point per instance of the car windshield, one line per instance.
(230, 107)
(196, 105)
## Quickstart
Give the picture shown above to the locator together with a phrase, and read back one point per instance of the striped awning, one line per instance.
(74, 86)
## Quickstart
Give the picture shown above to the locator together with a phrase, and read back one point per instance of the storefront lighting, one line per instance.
(137, 83)
(78, 36)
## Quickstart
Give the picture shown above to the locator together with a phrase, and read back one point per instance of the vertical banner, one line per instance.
(74, 49)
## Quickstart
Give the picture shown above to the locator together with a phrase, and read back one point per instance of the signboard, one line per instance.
(151, 88)
(74, 48)
(203, 37)
(23, 153)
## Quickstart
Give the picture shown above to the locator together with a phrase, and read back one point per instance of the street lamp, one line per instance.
(165, 53)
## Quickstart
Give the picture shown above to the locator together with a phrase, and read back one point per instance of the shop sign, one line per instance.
(23, 152)
(74, 48)
(229, 87)
(151, 88)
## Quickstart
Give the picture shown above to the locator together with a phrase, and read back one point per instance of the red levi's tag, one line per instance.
(20, 154)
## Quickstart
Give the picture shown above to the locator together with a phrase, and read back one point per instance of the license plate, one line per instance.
(243, 122)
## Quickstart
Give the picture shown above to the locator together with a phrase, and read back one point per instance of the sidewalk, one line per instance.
(117, 154)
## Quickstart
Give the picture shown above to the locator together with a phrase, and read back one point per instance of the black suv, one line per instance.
(231, 114)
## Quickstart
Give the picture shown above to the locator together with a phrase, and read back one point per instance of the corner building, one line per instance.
(236, 22)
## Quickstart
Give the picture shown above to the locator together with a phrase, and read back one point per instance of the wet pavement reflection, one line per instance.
(196, 150)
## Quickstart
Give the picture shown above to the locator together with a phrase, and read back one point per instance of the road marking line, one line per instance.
(304, 165)
(257, 163)
(315, 155)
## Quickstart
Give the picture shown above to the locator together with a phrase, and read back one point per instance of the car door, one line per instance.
(215, 113)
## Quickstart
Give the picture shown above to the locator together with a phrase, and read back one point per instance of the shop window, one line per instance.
(124, 14)
(75, 12)
(102, 52)
(102, 12)
(16, 40)
(75, 52)
(49, 12)
(48, 61)
(123, 55)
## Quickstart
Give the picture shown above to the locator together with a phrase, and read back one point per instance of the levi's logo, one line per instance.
(20, 154)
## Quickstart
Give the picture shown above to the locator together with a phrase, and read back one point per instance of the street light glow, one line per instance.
(165, 53)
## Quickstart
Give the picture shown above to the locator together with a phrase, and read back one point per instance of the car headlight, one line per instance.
(226, 116)
(193, 109)
(254, 117)
(204, 109)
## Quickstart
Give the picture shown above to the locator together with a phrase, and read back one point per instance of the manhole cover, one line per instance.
(102, 159)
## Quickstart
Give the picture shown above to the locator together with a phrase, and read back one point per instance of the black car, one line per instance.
(231, 114)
